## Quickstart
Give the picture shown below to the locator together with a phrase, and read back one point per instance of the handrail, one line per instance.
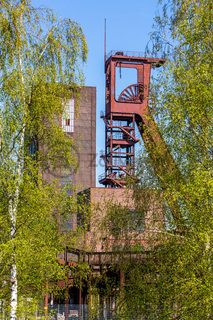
(130, 54)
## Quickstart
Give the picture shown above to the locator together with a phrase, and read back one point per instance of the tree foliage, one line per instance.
(40, 69)
(175, 280)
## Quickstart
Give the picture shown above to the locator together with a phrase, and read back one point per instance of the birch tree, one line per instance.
(39, 68)
(176, 281)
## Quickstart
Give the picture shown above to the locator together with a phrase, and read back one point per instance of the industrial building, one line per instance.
(126, 109)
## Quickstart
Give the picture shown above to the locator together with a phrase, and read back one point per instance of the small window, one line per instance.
(67, 122)
(68, 117)
(136, 221)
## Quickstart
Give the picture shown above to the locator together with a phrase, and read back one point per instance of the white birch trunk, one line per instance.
(14, 292)
(13, 269)
(14, 199)
(13, 204)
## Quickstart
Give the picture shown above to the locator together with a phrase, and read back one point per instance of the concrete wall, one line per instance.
(148, 204)
(85, 138)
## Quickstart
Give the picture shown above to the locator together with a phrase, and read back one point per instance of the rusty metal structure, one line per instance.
(126, 114)
(126, 108)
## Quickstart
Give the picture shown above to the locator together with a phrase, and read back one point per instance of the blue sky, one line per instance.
(129, 24)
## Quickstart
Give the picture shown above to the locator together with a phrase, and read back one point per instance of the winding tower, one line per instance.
(126, 107)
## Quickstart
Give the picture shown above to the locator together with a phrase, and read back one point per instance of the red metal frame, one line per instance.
(122, 114)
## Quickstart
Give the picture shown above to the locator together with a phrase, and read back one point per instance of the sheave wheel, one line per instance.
(132, 93)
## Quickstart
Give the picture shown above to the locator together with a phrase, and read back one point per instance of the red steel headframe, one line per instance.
(122, 113)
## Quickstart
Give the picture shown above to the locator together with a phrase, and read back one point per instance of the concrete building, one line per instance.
(79, 123)
(84, 135)
(141, 219)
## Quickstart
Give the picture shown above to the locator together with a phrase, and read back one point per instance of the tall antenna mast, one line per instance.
(104, 43)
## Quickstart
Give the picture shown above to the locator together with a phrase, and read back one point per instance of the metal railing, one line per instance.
(116, 177)
(68, 311)
(126, 53)
(133, 54)
(101, 176)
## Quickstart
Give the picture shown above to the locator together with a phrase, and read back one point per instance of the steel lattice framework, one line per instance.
(122, 114)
